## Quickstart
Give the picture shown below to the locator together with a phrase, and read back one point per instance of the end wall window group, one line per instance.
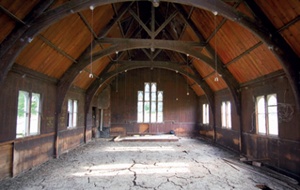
(150, 104)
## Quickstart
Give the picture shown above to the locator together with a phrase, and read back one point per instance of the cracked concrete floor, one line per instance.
(103, 164)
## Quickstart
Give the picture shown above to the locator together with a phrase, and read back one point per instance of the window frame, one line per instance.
(226, 116)
(150, 97)
(72, 112)
(263, 121)
(205, 114)
(32, 113)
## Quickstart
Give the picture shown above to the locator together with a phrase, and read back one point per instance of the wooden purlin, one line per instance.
(281, 49)
(20, 29)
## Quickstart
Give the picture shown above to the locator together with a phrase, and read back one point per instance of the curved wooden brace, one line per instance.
(131, 65)
(51, 16)
(128, 44)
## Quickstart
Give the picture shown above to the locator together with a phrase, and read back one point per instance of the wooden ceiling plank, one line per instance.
(219, 26)
(82, 17)
(231, 82)
(9, 41)
(49, 43)
(12, 16)
(67, 79)
(292, 22)
(244, 53)
(281, 49)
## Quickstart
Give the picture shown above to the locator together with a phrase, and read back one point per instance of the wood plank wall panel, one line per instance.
(179, 115)
(9, 102)
(8, 108)
(32, 151)
(226, 137)
(282, 151)
(6, 158)
(19, 8)
(70, 139)
(280, 13)
(40, 57)
(73, 94)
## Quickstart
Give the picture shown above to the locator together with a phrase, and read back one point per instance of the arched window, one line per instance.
(266, 114)
(150, 104)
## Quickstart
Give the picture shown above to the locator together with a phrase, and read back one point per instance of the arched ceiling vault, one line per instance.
(42, 16)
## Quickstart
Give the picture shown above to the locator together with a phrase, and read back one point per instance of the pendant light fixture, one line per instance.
(216, 79)
(92, 39)
(117, 78)
(187, 81)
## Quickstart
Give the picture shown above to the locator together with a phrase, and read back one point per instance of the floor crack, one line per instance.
(206, 168)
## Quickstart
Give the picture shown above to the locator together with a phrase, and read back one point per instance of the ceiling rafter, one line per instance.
(262, 31)
(281, 49)
(244, 53)
(185, 23)
(53, 46)
(20, 29)
(86, 23)
(219, 26)
(120, 26)
(66, 80)
(292, 22)
(137, 18)
(231, 82)
(166, 22)
(12, 16)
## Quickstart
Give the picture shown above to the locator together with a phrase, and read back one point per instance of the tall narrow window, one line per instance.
(140, 106)
(72, 113)
(205, 114)
(267, 114)
(29, 116)
(150, 104)
(226, 114)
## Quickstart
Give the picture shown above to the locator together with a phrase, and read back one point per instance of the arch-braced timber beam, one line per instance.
(292, 70)
(130, 65)
(128, 44)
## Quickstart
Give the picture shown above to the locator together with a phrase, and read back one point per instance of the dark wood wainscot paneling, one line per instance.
(32, 151)
(6, 158)
(70, 139)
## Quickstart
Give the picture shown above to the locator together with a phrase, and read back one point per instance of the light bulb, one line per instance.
(91, 75)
